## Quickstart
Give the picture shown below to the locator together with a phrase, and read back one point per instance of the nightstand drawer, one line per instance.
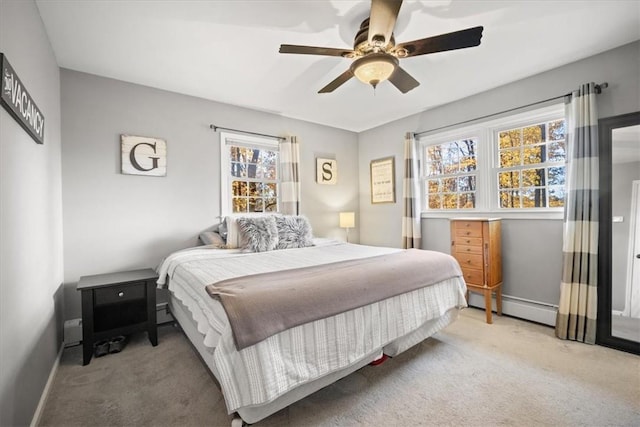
(468, 228)
(469, 260)
(117, 294)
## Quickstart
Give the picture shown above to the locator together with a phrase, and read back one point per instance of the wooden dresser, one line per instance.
(476, 244)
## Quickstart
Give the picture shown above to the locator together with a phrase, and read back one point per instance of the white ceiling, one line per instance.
(227, 51)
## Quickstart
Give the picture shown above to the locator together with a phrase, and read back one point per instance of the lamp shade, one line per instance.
(347, 219)
(374, 68)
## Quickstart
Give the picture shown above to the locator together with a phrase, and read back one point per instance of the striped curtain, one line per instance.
(577, 311)
(411, 232)
(289, 177)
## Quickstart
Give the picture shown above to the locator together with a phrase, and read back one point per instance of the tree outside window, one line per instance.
(254, 179)
(450, 170)
(531, 171)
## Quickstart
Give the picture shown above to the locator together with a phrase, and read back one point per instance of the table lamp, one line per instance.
(347, 220)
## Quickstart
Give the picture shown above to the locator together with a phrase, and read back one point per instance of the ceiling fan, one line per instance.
(375, 53)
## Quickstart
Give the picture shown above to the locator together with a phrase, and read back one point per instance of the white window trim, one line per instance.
(487, 158)
(227, 139)
(457, 135)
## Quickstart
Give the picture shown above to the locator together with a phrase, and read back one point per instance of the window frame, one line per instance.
(487, 168)
(227, 139)
(546, 165)
(457, 135)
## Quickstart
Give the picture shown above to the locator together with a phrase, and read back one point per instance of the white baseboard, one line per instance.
(528, 310)
(45, 393)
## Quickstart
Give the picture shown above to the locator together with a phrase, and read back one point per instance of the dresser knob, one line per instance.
(120, 294)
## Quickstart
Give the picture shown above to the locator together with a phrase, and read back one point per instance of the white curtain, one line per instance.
(290, 178)
(578, 307)
(411, 231)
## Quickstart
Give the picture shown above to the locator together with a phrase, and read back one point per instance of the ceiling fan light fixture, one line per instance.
(375, 55)
(374, 68)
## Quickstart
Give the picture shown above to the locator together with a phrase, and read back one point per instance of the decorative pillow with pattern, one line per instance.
(259, 233)
(293, 232)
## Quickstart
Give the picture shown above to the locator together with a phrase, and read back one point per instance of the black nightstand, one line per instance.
(117, 304)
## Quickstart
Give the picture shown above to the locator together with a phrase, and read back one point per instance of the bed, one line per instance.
(261, 376)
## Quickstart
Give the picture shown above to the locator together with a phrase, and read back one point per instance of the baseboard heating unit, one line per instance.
(535, 311)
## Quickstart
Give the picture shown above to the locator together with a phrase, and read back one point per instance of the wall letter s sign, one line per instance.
(326, 171)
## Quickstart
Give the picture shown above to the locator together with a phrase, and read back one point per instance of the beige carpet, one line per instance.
(511, 373)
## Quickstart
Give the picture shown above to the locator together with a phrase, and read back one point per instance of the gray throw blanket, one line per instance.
(262, 305)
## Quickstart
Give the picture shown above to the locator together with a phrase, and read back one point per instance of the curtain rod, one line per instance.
(215, 129)
(598, 90)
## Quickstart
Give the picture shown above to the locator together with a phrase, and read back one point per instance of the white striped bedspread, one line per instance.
(261, 373)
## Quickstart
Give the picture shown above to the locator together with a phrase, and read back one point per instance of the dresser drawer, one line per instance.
(468, 228)
(120, 293)
(469, 260)
(464, 249)
(473, 276)
(468, 241)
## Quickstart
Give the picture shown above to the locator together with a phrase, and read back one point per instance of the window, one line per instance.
(250, 174)
(451, 178)
(512, 164)
(531, 166)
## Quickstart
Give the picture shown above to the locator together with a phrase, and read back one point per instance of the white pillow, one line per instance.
(233, 232)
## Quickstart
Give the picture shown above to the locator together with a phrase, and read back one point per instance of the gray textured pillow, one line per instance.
(258, 234)
(212, 238)
(222, 229)
(293, 232)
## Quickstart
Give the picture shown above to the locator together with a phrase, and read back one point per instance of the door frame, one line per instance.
(603, 331)
(634, 232)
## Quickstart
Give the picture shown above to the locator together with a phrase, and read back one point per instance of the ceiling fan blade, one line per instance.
(403, 80)
(382, 19)
(312, 50)
(450, 41)
(337, 82)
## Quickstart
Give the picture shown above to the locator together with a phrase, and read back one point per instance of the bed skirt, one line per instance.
(256, 413)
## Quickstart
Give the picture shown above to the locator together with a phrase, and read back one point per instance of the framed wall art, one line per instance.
(383, 188)
(18, 102)
(142, 155)
(326, 171)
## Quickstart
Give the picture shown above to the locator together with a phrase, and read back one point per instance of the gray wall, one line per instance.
(534, 241)
(539, 240)
(622, 176)
(31, 261)
(117, 222)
